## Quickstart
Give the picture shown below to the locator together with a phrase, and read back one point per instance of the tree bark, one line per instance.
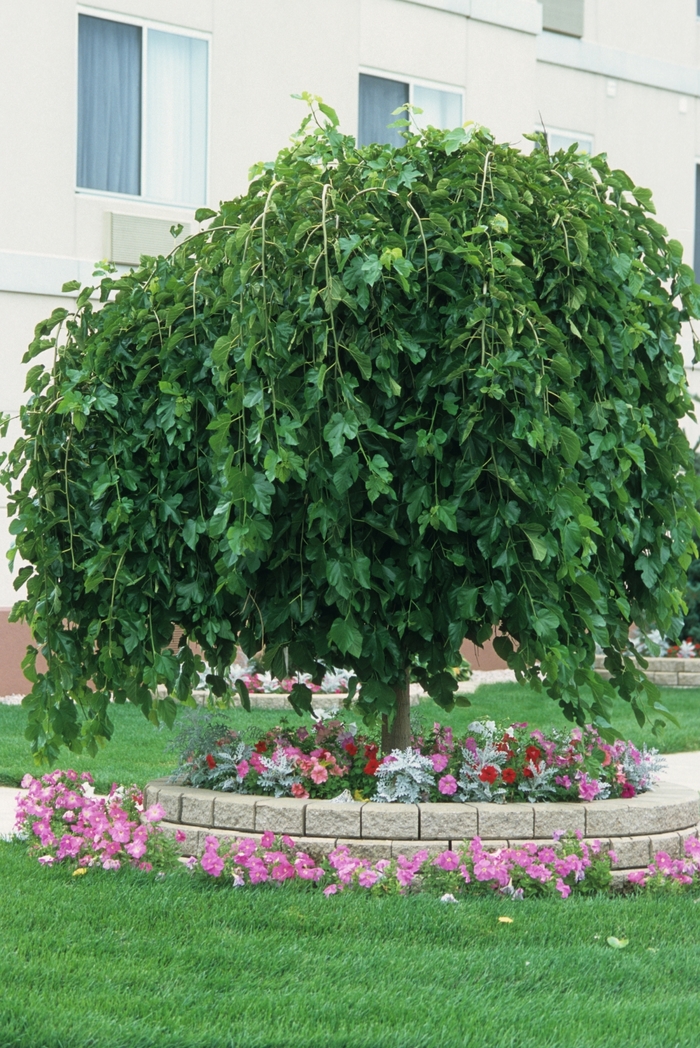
(396, 729)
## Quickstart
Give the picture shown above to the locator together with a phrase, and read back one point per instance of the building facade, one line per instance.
(121, 117)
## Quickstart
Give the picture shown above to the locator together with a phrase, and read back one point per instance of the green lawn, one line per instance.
(137, 751)
(125, 961)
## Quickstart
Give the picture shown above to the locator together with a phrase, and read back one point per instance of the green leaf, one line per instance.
(346, 636)
(538, 547)
(570, 445)
(70, 285)
(617, 944)
(243, 694)
(330, 113)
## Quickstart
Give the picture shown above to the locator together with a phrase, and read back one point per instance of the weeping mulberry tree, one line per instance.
(386, 400)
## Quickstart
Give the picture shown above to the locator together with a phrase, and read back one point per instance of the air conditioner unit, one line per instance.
(127, 237)
(563, 16)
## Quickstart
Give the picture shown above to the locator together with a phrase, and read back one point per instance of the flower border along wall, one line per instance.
(571, 782)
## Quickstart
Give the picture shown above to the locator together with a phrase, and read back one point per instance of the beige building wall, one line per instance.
(632, 83)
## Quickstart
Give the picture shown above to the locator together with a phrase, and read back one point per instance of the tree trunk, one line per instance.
(396, 732)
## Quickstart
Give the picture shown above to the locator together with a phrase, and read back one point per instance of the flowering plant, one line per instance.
(566, 865)
(335, 681)
(667, 874)
(489, 764)
(65, 820)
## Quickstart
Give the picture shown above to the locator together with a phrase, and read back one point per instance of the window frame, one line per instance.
(569, 133)
(144, 24)
(412, 81)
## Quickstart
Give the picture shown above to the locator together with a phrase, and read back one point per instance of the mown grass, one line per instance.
(125, 961)
(138, 750)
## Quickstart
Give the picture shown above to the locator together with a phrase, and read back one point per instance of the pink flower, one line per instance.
(367, 878)
(180, 836)
(212, 863)
(447, 860)
(268, 839)
(299, 791)
(331, 889)
(46, 860)
(439, 761)
(155, 813)
(628, 790)
(242, 769)
(447, 785)
(564, 889)
(319, 774)
(287, 841)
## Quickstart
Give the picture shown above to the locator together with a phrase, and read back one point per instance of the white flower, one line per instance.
(686, 650)
(448, 897)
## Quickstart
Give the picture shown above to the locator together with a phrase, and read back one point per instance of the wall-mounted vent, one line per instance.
(563, 16)
(127, 237)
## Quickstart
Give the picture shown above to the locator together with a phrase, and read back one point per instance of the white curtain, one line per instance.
(441, 109)
(109, 105)
(379, 98)
(176, 118)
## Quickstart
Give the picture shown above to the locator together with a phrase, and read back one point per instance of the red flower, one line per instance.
(527, 772)
(371, 751)
(488, 773)
(371, 766)
(508, 775)
(210, 761)
(533, 753)
(350, 748)
(261, 747)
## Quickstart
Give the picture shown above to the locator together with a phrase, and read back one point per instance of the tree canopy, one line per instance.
(386, 400)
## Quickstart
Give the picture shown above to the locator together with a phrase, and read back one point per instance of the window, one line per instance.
(142, 111)
(557, 140)
(696, 256)
(380, 96)
(563, 16)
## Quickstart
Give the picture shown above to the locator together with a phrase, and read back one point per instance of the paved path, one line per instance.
(683, 769)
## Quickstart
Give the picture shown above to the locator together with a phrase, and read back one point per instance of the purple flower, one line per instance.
(447, 785)
(563, 888)
(331, 889)
(447, 860)
(439, 761)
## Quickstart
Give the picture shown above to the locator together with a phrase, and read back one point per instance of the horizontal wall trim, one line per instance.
(41, 274)
(555, 49)
(523, 15)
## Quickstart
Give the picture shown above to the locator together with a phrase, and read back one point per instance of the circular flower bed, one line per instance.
(489, 764)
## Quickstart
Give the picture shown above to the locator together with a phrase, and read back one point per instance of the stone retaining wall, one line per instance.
(666, 672)
(636, 828)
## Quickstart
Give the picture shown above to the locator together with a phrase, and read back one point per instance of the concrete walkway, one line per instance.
(683, 770)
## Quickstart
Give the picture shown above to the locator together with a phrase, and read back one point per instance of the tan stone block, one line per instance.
(662, 664)
(609, 818)
(150, 794)
(506, 820)
(666, 842)
(649, 814)
(197, 807)
(234, 811)
(488, 845)
(169, 797)
(690, 680)
(447, 820)
(367, 849)
(664, 680)
(691, 831)
(326, 819)
(389, 821)
(687, 666)
(550, 818)
(193, 843)
(619, 879)
(632, 852)
(409, 848)
(280, 814)
(317, 847)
